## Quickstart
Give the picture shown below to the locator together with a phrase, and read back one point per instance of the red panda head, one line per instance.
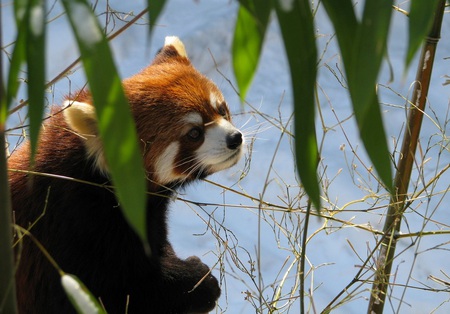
(182, 120)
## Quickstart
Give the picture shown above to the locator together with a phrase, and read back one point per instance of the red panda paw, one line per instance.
(204, 294)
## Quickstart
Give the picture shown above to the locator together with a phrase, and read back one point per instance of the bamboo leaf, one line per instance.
(297, 27)
(35, 58)
(343, 17)
(363, 45)
(79, 295)
(421, 18)
(7, 265)
(373, 136)
(18, 58)
(250, 29)
(116, 125)
(248, 4)
(155, 8)
(368, 51)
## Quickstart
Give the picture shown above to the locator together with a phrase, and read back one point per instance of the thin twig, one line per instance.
(63, 73)
(303, 258)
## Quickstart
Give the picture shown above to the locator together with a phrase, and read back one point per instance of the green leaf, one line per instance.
(368, 51)
(35, 58)
(18, 58)
(8, 303)
(250, 29)
(20, 10)
(297, 27)
(116, 124)
(81, 298)
(343, 17)
(155, 8)
(363, 45)
(421, 18)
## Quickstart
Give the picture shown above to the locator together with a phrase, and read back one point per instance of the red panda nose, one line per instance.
(234, 140)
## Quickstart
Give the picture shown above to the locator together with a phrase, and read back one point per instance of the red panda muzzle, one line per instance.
(234, 140)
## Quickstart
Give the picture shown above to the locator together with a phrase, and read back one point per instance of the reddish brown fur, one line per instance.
(83, 228)
(166, 93)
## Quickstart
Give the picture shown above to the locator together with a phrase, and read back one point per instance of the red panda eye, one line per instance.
(195, 134)
(223, 110)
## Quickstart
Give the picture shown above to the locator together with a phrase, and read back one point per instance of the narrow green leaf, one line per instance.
(297, 27)
(20, 10)
(373, 136)
(116, 124)
(368, 51)
(79, 295)
(155, 8)
(247, 42)
(248, 4)
(363, 45)
(8, 302)
(421, 18)
(18, 58)
(35, 56)
(342, 15)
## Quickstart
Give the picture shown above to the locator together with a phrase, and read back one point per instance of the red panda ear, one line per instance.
(173, 50)
(81, 117)
(175, 42)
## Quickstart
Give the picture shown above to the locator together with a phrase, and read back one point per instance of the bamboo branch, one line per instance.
(7, 284)
(8, 303)
(404, 167)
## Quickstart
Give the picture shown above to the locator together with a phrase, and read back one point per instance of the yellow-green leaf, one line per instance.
(250, 28)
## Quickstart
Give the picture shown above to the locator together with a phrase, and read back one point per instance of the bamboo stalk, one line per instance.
(404, 167)
(7, 284)
(8, 303)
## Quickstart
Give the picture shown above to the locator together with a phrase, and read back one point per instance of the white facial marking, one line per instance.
(215, 99)
(214, 152)
(164, 165)
(193, 118)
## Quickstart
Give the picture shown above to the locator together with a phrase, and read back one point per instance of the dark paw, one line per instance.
(206, 290)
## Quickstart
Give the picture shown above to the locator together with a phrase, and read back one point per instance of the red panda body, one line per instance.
(184, 127)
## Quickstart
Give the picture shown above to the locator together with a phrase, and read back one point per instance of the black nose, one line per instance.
(234, 140)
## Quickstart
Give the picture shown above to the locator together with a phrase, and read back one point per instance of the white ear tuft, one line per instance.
(177, 44)
(80, 117)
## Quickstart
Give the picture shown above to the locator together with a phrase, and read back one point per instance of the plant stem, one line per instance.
(8, 303)
(303, 258)
(7, 285)
(404, 167)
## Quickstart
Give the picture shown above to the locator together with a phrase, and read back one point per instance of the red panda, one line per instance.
(185, 130)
